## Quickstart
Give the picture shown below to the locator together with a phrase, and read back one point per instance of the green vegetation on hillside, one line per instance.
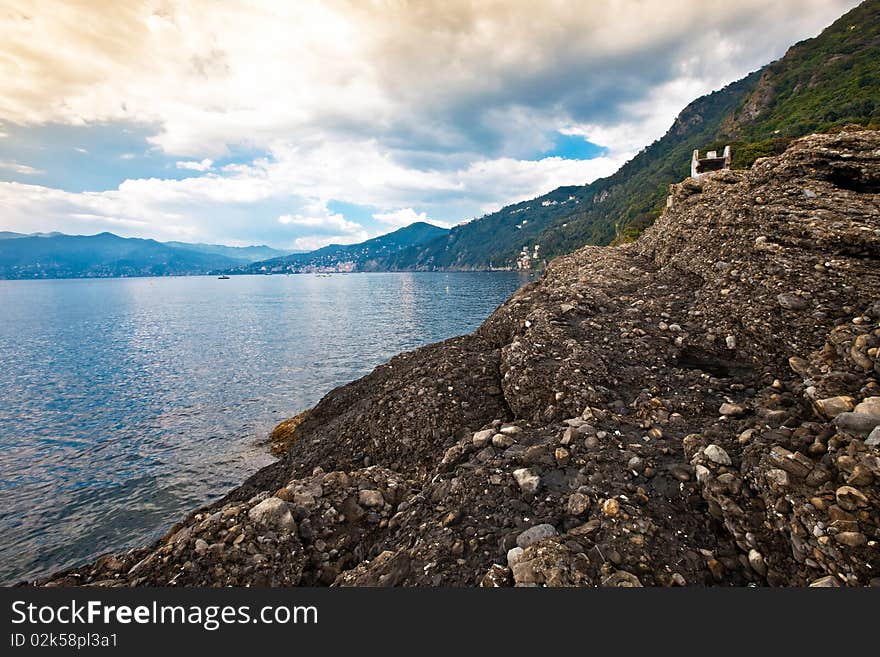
(819, 85)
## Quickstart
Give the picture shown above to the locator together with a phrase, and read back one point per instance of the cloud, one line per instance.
(204, 165)
(444, 106)
(79, 149)
(312, 242)
(23, 169)
(127, 156)
(319, 219)
(405, 217)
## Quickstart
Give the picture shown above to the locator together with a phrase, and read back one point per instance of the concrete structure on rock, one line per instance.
(711, 162)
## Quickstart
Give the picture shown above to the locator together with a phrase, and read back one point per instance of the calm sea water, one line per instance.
(124, 403)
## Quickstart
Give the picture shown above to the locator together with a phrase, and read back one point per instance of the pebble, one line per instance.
(528, 481)
(850, 499)
(273, 512)
(731, 410)
(501, 441)
(717, 455)
(371, 499)
(831, 407)
(777, 478)
(851, 539)
(611, 507)
(829, 581)
(482, 438)
(873, 439)
(859, 424)
(578, 504)
(535, 534)
(513, 555)
(756, 561)
(791, 301)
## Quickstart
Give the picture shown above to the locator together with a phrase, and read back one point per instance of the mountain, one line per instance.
(372, 255)
(242, 253)
(103, 255)
(9, 235)
(820, 84)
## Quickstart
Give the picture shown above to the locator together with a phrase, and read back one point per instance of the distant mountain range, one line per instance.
(55, 255)
(372, 255)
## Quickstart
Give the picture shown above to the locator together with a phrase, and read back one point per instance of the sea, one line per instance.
(127, 402)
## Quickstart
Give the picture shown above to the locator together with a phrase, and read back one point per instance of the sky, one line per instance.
(298, 124)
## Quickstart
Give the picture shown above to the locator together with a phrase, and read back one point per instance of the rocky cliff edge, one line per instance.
(698, 407)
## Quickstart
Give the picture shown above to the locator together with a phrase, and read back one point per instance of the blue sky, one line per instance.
(300, 124)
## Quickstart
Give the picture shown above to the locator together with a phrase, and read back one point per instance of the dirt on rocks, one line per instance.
(700, 407)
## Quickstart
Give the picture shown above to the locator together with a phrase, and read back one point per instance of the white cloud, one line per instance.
(205, 165)
(20, 168)
(317, 217)
(405, 217)
(312, 242)
(444, 107)
(81, 150)
(216, 74)
(127, 156)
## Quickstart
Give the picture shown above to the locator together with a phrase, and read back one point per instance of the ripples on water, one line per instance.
(125, 403)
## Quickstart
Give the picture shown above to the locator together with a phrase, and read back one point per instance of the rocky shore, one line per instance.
(700, 407)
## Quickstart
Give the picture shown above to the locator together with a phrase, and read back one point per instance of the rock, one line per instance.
(791, 301)
(510, 430)
(611, 507)
(717, 455)
(795, 464)
(636, 464)
(777, 478)
(502, 441)
(731, 410)
(497, 576)
(525, 574)
(851, 539)
(562, 456)
(201, 546)
(869, 406)
(730, 342)
(831, 407)
(528, 481)
(756, 561)
(621, 579)
(858, 424)
(873, 439)
(273, 513)
(513, 555)
(850, 498)
(829, 581)
(535, 534)
(578, 504)
(371, 499)
(482, 438)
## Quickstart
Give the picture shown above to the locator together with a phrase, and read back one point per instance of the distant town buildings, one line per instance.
(524, 261)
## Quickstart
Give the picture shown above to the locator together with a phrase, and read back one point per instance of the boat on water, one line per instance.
(223, 278)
